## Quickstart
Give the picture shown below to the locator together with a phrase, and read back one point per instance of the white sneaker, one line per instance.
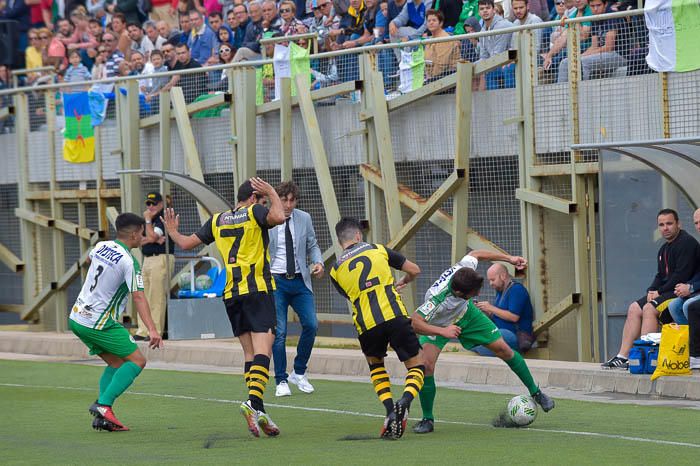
(301, 382)
(283, 389)
(694, 362)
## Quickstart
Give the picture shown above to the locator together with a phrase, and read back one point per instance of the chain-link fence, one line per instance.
(608, 91)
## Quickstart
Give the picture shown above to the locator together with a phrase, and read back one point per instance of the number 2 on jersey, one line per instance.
(364, 281)
(237, 234)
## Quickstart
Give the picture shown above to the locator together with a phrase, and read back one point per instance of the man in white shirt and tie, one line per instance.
(293, 247)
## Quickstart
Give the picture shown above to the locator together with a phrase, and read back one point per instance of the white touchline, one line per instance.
(355, 413)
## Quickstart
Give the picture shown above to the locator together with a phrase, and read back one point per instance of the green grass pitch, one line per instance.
(192, 418)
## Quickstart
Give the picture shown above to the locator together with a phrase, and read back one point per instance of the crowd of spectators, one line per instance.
(93, 39)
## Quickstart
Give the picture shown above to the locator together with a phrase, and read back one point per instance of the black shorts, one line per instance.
(397, 332)
(660, 303)
(252, 312)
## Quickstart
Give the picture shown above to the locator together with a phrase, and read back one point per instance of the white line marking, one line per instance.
(356, 413)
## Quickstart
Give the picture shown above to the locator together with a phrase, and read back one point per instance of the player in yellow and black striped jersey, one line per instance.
(241, 236)
(362, 274)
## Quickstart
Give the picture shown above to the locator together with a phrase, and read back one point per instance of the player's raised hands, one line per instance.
(261, 186)
(170, 220)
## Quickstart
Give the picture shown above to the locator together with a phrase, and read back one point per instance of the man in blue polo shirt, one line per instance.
(511, 311)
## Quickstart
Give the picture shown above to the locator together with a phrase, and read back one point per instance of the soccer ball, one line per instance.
(522, 410)
(203, 282)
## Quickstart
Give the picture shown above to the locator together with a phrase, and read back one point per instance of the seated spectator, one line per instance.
(215, 21)
(137, 63)
(694, 334)
(225, 36)
(410, 23)
(95, 28)
(231, 19)
(152, 40)
(602, 56)
(677, 260)
(557, 50)
(163, 10)
(368, 21)
(490, 46)
(114, 56)
(170, 34)
(352, 24)
(169, 57)
(521, 11)
(64, 30)
(250, 50)
(139, 41)
(441, 58)
(202, 41)
(192, 84)
(511, 310)
(32, 54)
(271, 19)
(240, 12)
(291, 25)
(99, 70)
(81, 38)
(55, 52)
(76, 72)
(118, 26)
(155, 65)
(470, 9)
(687, 293)
(219, 79)
(470, 50)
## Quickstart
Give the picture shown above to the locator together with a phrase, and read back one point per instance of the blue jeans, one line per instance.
(293, 293)
(501, 78)
(507, 335)
(679, 309)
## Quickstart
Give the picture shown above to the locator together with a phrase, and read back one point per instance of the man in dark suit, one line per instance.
(293, 246)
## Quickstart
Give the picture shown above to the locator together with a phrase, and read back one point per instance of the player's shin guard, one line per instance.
(427, 397)
(382, 385)
(106, 378)
(246, 368)
(259, 376)
(414, 383)
(518, 365)
(122, 379)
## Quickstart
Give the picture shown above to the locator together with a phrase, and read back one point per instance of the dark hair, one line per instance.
(214, 14)
(487, 2)
(438, 13)
(245, 190)
(73, 52)
(288, 187)
(527, 2)
(668, 212)
(95, 20)
(347, 228)
(156, 52)
(127, 222)
(120, 16)
(184, 44)
(132, 23)
(466, 281)
(240, 4)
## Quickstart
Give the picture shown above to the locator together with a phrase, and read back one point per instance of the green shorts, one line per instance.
(477, 329)
(113, 339)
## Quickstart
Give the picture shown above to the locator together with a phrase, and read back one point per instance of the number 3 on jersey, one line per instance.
(237, 234)
(100, 269)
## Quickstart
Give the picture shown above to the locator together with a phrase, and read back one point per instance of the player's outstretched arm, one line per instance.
(520, 263)
(412, 271)
(172, 223)
(144, 311)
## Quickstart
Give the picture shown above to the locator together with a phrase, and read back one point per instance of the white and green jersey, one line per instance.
(113, 274)
(441, 308)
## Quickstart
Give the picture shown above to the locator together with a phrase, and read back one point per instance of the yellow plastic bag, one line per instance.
(673, 352)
